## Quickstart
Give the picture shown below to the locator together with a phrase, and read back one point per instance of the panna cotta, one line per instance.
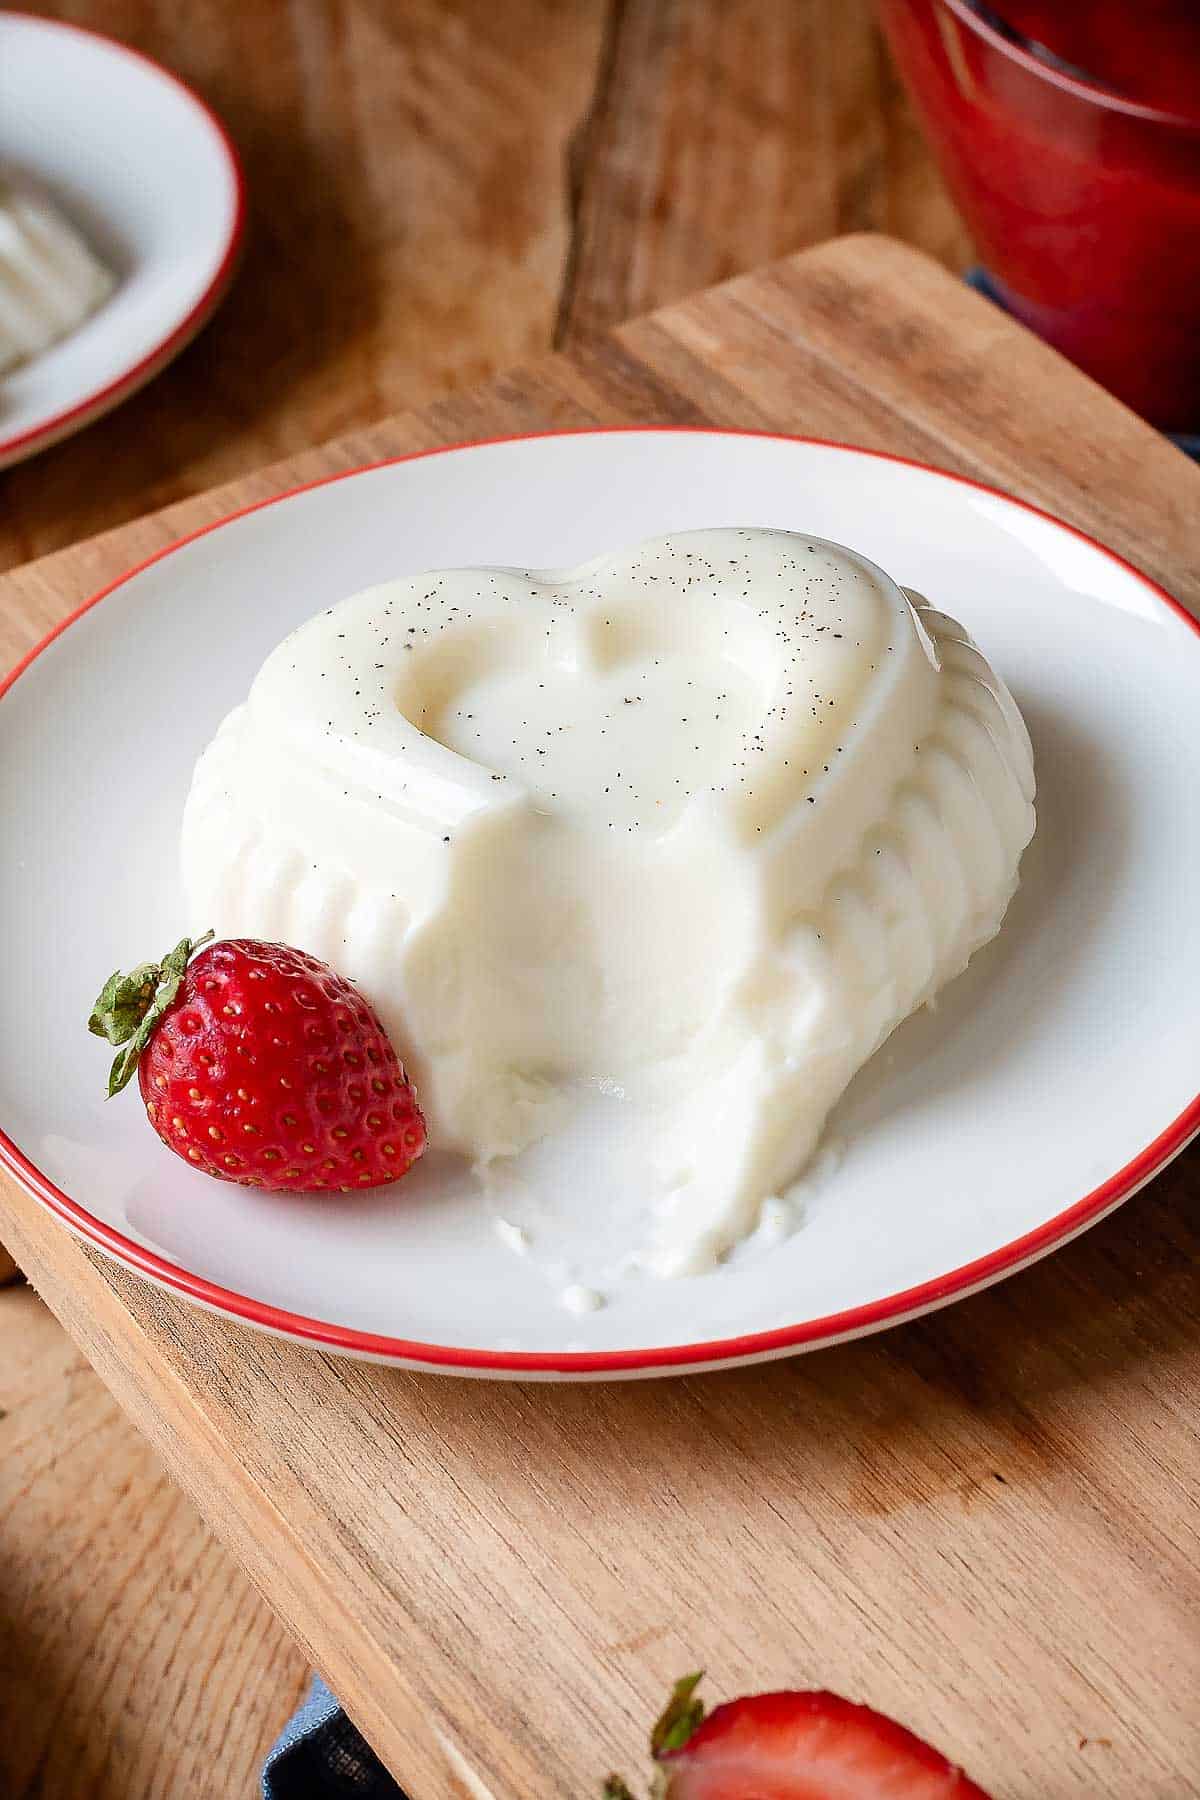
(50, 281)
(695, 825)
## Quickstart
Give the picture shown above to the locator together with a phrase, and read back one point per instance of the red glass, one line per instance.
(1084, 202)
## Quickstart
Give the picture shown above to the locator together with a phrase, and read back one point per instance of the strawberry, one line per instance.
(260, 1065)
(792, 1746)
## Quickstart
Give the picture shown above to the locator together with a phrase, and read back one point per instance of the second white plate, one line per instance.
(150, 176)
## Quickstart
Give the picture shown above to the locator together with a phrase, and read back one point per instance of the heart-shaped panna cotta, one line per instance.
(698, 823)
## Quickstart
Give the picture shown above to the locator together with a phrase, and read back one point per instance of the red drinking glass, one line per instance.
(1084, 200)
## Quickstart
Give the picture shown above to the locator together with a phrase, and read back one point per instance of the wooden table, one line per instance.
(983, 1522)
(439, 188)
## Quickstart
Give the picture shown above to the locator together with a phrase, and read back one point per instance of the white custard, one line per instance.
(49, 279)
(697, 824)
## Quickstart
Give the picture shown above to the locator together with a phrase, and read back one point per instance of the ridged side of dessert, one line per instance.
(928, 885)
(50, 281)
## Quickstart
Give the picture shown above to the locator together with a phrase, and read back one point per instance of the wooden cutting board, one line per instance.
(983, 1522)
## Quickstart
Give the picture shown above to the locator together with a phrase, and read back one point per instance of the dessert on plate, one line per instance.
(50, 281)
(695, 825)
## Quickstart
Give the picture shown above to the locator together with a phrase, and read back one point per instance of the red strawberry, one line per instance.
(260, 1065)
(793, 1746)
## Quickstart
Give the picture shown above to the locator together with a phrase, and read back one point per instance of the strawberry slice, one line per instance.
(793, 1746)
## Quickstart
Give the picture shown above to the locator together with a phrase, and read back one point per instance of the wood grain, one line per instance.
(434, 185)
(136, 1663)
(724, 133)
(407, 231)
(983, 1522)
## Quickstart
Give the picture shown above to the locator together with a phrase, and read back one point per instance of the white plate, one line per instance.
(1057, 1074)
(148, 173)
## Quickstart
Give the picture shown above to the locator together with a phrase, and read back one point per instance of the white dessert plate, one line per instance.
(145, 170)
(1058, 1074)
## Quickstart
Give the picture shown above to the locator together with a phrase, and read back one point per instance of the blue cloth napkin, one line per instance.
(320, 1756)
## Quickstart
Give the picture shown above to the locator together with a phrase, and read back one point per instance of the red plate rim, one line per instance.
(854, 1321)
(104, 398)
